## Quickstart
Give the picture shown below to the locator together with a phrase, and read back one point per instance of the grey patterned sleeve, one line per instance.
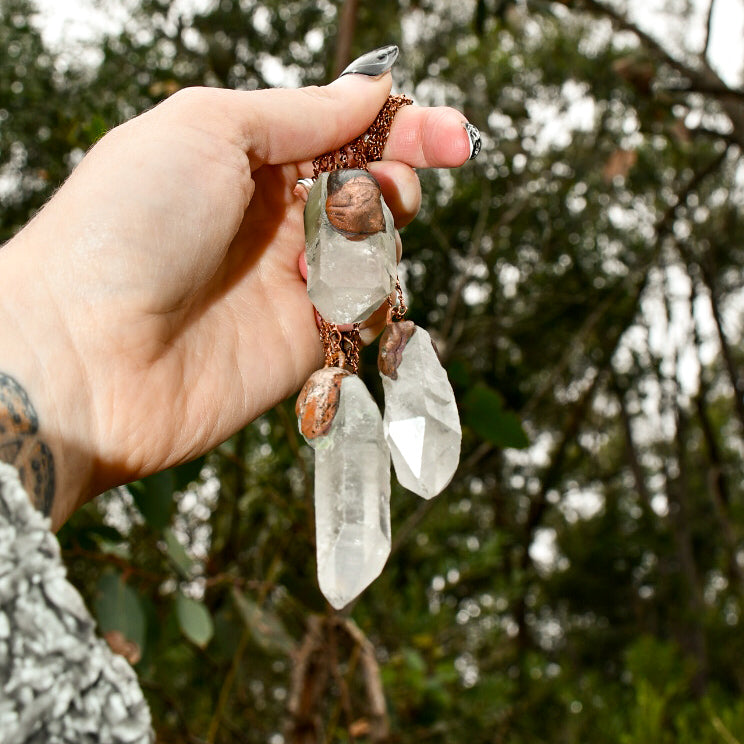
(59, 682)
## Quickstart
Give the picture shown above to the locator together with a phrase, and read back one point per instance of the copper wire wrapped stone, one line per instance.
(392, 342)
(318, 400)
(354, 204)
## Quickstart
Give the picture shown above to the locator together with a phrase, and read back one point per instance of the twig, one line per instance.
(625, 24)
(309, 675)
(704, 77)
(708, 89)
(344, 699)
(226, 688)
(412, 522)
(115, 560)
(708, 26)
(346, 27)
(476, 238)
(721, 728)
(379, 727)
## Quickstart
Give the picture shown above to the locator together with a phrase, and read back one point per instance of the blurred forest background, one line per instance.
(582, 579)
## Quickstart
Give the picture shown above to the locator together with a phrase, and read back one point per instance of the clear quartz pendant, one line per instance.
(352, 487)
(349, 246)
(421, 423)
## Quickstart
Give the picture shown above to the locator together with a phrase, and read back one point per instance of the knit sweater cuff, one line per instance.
(59, 682)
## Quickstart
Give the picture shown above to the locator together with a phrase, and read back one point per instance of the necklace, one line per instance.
(351, 260)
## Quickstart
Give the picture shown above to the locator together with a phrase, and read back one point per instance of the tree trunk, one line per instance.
(346, 28)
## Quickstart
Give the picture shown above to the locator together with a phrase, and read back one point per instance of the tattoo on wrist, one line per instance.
(20, 444)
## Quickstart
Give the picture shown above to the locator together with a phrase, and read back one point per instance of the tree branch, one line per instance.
(718, 485)
(703, 78)
(728, 357)
(708, 25)
(631, 450)
(622, 22)
(309, 676)
(709, 89)
(346, 28)
(476, 237)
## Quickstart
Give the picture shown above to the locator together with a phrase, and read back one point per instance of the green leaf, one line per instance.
(187, 473)
(104, 533)
(265, 626)
(96, 128)
(194, 620)
(483, 412)
(458, 374)
(154, 498)
(176, 552)
(118, 607)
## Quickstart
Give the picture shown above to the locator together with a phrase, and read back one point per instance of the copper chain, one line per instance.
(397, 310)
(367, 147)
(341, 348)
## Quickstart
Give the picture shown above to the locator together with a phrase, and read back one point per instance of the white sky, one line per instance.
(70, 20)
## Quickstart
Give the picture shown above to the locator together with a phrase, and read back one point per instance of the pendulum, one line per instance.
(351, 271)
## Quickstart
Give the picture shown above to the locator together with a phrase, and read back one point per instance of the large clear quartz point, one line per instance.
(352, 496)
(421, 423)
(349, 246)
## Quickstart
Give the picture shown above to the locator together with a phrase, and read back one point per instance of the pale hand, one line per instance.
(155, 305)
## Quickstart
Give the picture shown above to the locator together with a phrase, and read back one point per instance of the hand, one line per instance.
(155, 305)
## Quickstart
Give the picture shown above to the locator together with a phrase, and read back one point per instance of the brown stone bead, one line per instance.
(318, 401)
(392, 342)
(354, 204)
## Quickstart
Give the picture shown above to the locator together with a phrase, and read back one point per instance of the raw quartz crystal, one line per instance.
(421, 423)
(349, 246)
(352, 495)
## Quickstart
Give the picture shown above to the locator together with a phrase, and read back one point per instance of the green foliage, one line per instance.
(265, 626)
(118, 607)
(180, 559)
(194, 620)
(154, 498)
(483, 411)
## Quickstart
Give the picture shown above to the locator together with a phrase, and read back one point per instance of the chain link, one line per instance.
(367, 147)
(397, 310)
(341, 348)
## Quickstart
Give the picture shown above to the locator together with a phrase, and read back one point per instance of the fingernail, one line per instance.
(374, 63)
(475, 139)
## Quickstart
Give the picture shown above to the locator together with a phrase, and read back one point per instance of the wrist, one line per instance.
(44, 431)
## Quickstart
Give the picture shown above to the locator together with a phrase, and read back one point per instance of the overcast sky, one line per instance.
(69, 20)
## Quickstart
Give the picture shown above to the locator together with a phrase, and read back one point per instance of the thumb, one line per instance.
(289, 126)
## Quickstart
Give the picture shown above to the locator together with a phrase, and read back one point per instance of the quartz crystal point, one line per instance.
(421, 423)
(352, 494)
(349, 246)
